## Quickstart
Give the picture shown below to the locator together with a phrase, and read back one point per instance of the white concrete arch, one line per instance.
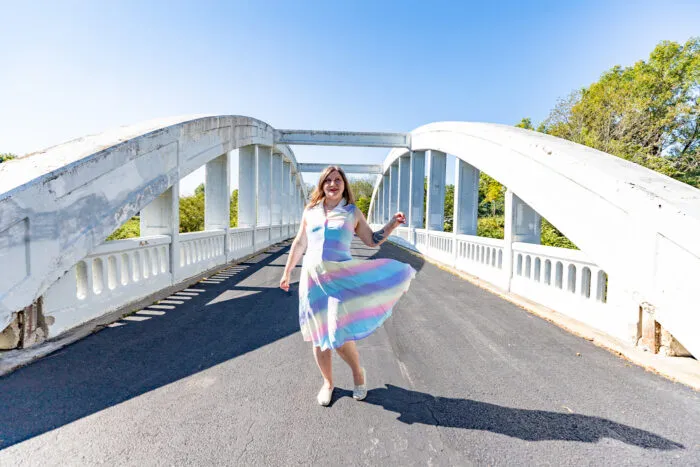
(642, 227)
(58, 205)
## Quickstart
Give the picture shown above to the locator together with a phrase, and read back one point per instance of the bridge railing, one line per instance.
(57, 207)
(124, 271)
(558, 278)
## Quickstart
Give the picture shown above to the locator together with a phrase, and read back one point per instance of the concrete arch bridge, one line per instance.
(634, 278)
(638, 231)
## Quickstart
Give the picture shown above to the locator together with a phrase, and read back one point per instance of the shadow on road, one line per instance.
(117, 364)
(529, 425)
(120, 363)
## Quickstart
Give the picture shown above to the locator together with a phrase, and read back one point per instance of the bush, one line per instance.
(130, 229)
(491, 227)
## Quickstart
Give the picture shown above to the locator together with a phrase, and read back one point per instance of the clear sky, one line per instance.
(71, 68)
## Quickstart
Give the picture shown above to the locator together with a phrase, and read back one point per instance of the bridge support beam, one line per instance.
(217, 196)
(298, 202)
(158, 217)
(277, 189)
(416, 191)
(435, 207)
(404, 191)
(393, 189)
(162, 217)
(385, 198)
(286, 193)
(466, 202)
(264, 186)
(247, 186)
(522, 224)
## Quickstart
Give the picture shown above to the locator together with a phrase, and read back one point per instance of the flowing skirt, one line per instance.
(349, 300)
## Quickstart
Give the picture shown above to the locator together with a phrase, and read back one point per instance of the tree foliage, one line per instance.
(192, 211)
(191, 216)
(130, 229)
(647, 113)
(362, 189)
(6, 156)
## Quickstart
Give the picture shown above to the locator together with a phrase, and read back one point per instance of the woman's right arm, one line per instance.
(295, 254)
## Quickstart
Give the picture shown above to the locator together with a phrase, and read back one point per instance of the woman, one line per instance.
(341, 299)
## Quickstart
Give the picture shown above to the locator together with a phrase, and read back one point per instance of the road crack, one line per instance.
(245, 448)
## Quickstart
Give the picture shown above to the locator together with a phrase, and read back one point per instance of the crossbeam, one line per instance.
(343, 138)
(372, 169)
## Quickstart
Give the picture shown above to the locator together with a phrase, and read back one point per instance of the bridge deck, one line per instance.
(457, 376)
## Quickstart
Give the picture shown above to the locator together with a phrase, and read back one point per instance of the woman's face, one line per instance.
(333, 186)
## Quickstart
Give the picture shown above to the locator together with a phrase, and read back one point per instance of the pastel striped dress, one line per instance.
(341, 298)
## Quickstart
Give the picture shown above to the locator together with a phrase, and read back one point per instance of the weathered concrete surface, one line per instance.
(457, 377)
(57, 205)
(654, 256)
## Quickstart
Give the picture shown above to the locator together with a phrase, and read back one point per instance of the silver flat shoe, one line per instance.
(324, 396)
(360, 392)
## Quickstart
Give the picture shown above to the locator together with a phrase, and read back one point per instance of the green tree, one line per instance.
(6, 156)
(647, 113)
(491, 227)
(130, 229)
(192, 211)
(363, 204)
(233, 208)
(361, 187)
(525, 123)
(551, 236)
(492, 199)
(448, 210)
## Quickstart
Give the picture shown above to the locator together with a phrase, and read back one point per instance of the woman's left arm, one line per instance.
(369, 238)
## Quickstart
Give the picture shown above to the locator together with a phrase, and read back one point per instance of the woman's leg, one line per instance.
(349, 353)
(324, 360)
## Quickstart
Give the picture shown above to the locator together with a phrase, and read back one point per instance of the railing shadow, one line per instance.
(120, 363)
(529, 425)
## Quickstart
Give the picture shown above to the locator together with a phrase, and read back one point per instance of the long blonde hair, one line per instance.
(318, 195)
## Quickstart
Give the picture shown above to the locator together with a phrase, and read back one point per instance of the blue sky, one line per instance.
(72, 68)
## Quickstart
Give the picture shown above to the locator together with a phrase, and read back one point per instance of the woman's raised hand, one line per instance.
(399, 218)
(284, 282)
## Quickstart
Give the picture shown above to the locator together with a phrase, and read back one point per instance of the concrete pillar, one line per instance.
(522, 224)
(415, 217)
(404, 190)
(379, 215)
(525, 222)
(157, 218)
(393, 189)
(247, 186)
(298, 195)
(466, 203)
(264, 185)
(286, 192)
(162, 217)
(217, 195)
(277, 189)
(435, 206)
(385, 199)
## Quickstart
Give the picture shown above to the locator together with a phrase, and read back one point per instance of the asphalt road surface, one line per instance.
(457, 376)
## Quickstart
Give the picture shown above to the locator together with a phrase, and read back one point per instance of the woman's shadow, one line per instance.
(528, 425)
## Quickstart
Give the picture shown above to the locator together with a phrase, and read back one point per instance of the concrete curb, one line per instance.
(684, 370)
